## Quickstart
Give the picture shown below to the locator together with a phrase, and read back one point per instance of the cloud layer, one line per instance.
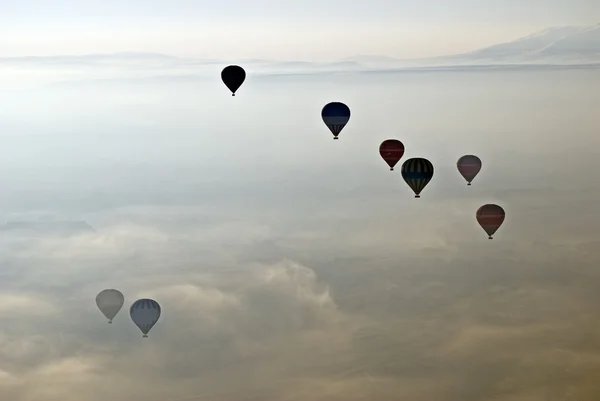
(335, 309)
(291, 267)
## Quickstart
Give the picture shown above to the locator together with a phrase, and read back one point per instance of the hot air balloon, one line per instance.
(110, 303)
(391, 150)
(490, 217)
(233, 77)
(469, 166)
(417, 173)
(335, 115)
(145, 314)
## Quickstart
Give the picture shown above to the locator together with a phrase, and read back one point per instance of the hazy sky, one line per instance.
(308, 29)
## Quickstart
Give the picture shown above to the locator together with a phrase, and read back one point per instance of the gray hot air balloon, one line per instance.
(145, 314)
(110, 303)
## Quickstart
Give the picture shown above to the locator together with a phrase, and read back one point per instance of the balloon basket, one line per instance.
(145, 336)
(110, 322)
(417, 196)
(490, 237)
(468, 183)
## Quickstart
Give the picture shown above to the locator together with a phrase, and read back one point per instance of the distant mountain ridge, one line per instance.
(560, 44)
(570, 45)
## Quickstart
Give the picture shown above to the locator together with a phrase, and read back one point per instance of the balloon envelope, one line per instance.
(391, 150)
(110, 303)
(417, 173)
(335, 116)
(490, 217)
(233, 77)
(469, 166)
(145, 314)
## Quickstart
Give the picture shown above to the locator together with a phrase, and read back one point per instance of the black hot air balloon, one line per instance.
(490, 217)
(417, 173)
(469, 166)
(233, 77)
(391, 150)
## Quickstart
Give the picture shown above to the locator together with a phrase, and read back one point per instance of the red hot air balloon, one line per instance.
(391, 150)
(469, 166)
(490, 217)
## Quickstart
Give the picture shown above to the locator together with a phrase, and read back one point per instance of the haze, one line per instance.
(308, 30)
(289, 266)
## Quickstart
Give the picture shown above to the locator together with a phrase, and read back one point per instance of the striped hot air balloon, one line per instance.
(335, 116)
(490, 217)
(417, 173)
(469, 166)
(145, 313)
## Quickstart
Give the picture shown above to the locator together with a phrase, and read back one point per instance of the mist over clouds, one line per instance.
(293, 267)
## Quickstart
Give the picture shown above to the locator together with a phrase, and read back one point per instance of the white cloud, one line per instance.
(120, 240)
(25, 306)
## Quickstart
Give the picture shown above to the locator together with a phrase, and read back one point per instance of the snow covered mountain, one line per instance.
(570, 44)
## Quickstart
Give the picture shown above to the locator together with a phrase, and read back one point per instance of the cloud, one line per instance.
(21, 305)
(269, 292)
(350, 320)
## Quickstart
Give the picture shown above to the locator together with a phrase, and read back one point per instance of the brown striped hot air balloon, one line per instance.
(490, 217)
(391, 150)
(469, 166)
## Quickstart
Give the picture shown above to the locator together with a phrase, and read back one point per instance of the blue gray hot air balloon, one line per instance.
(145, 314)
(335, 115)
(110, 303)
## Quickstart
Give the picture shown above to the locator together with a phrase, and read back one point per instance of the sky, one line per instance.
(307, 30)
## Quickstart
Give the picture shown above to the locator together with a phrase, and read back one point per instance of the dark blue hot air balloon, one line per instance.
(335, 115)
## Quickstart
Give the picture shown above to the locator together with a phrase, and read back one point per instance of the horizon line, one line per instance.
(336, 60)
